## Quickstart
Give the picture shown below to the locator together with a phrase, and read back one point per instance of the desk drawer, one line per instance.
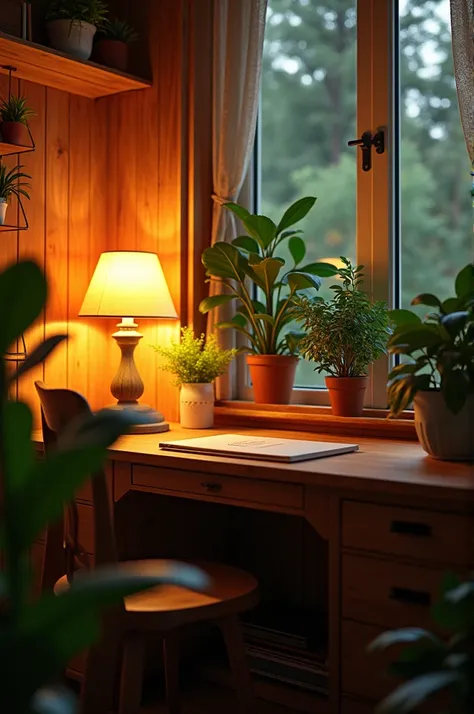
(388, 594)
(422, 535)
(219, 487)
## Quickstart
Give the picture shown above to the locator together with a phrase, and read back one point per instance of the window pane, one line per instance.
(308, 116)
(436, 218)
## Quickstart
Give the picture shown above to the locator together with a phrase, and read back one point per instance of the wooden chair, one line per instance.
(163, 610)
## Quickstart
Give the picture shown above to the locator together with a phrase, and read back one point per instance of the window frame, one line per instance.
(377, 191)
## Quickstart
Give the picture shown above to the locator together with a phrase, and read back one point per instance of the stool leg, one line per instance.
(131, 681)
(171, 661)
(234, 642)
(98, 685)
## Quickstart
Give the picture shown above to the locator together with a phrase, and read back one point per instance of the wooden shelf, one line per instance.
(9, 149)
(42, 65)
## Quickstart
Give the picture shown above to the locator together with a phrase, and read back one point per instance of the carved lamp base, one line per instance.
(127, 386)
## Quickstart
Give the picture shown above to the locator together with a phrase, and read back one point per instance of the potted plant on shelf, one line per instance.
(14, 115)
(196, 363)
(72, 25)
(250, 272)
(439, 375)
(344, 336)
(11, 184)
(112, 43)
(432, 665)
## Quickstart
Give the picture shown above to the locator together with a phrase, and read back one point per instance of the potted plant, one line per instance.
(438, 376)
(11, 184)
(195, 363)
(344, 336)
(72, 25)
(112, 43)
(14, 115)
(250, 272)
(433, 665)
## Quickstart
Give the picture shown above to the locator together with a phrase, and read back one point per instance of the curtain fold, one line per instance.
(462, 28)
(239, 28)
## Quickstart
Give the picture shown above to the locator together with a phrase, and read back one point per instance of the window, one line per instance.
(331, 70)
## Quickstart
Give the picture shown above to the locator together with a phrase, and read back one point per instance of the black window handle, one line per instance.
(411, 528)
(366, 142)
(407, 596)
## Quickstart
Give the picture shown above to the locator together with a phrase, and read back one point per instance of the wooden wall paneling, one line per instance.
(127, 151)
(100, 345)
(57, 229)
(32, 241)
(148, 226)
(78, 357)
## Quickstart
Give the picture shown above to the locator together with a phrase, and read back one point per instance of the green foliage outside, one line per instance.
(439, 347)
(195, 360)
(432, 664)
(38, 638)
(16, 109)
(92, 11)
(309, 114)
(264, 310)
(344, 335)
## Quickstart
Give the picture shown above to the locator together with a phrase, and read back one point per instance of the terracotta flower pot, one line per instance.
(13, 132)
(272, 377)
(347, 395)
(442, 434)
(111, 53)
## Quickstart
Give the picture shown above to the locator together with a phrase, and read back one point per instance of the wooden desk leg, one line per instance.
(234, 641)
(100, 676)
(171, 661)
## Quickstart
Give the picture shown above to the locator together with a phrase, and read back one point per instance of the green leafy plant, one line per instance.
(12, 184)
(15, 109)
(195, 360)
(37, 638)
(91, 11)
(431, 664)
(252, 258)
(118, 30)
(346, 334)
(440, 347)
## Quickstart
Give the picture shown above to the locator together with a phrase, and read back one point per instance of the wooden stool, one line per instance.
(163, 610)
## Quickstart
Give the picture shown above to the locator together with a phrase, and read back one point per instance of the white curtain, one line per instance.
(462, 24)
(239, 27)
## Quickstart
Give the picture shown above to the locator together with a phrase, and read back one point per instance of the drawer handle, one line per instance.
(407, 596)
(212, 487)
(410, 528)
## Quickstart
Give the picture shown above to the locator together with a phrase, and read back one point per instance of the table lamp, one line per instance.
(130, 283)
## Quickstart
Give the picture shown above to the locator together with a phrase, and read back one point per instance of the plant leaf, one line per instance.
(404, 317)
(246, 243)
(323, 270)
(24, 305)
(240, 211)
(455, 388)
(464, 283)
(39, 354)
(223, 260)
(302, 281)
(407, 635)
(214, 301)
(296, 212)
(427, 299)
(261, 227)
(267, 271)
(408, 696)
(297, 249)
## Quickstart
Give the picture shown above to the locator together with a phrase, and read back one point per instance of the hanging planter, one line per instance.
(14, 115)
(72, 24)
(12, 183)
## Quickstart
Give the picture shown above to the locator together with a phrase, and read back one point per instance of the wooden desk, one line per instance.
(393, 520)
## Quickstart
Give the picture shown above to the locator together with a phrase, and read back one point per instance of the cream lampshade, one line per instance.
(130, 284)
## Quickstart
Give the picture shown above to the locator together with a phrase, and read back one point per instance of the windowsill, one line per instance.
(374, 422)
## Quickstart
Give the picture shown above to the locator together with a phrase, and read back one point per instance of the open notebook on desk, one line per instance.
(265, 448)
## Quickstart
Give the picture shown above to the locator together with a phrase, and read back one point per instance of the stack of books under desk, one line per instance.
(288, 646)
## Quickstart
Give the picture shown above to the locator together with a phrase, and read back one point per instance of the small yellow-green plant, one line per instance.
(195, 360)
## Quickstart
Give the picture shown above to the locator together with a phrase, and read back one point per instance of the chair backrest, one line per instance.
(59, 407)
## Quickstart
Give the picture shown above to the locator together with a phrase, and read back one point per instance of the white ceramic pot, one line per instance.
(3, 211)
(197, 406)
(442, 434)
(73, 38)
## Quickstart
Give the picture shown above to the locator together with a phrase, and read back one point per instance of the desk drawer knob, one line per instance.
(410, 528)
(407, 596)
(211, 487)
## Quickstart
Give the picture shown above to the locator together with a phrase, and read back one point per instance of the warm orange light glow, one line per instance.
(128, 283)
